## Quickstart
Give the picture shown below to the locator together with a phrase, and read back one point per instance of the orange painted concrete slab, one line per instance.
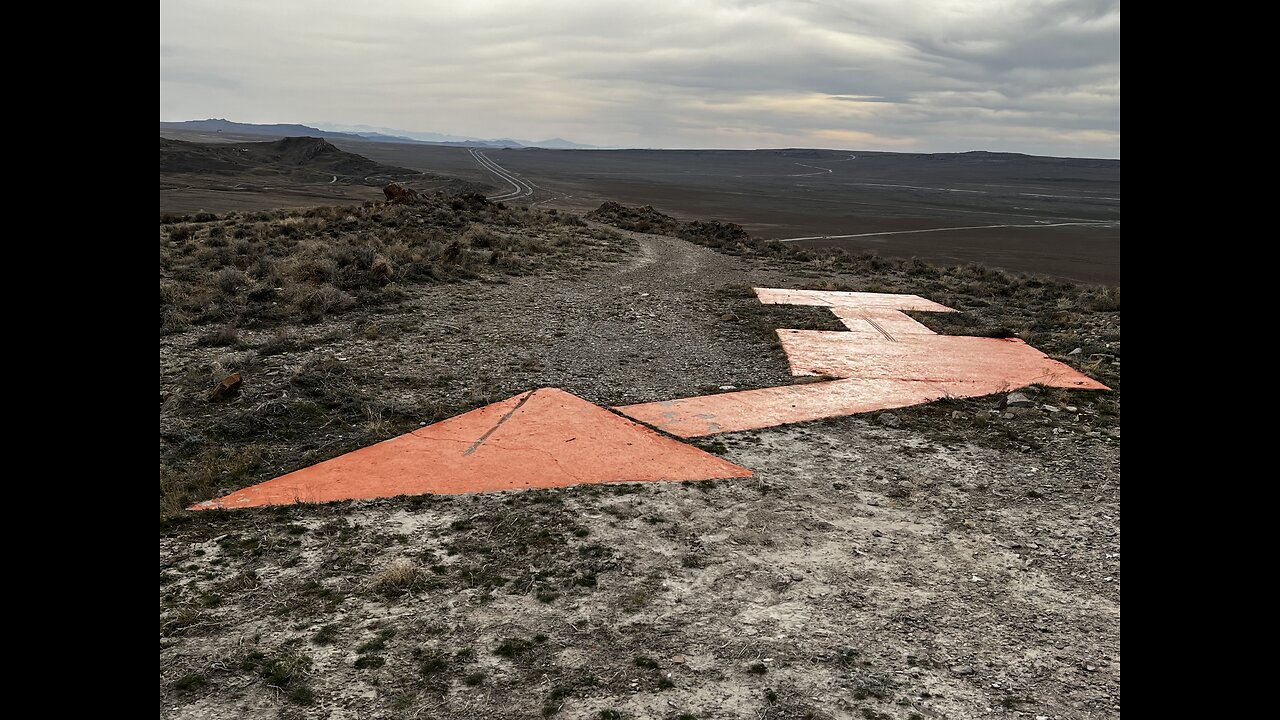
(937, 358)
(830, 298)
(544, 438)
(770, 407)
(880, 321)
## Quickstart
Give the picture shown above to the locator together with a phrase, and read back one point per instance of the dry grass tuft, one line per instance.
(398, 577)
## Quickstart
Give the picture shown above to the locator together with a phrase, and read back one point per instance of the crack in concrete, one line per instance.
(880, 329)
(501, 420)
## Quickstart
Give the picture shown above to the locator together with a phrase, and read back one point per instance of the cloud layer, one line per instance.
(1038, 76)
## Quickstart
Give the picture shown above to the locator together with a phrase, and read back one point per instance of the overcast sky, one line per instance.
(1035, 76)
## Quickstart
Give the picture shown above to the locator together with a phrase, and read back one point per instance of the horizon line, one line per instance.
(622, 147)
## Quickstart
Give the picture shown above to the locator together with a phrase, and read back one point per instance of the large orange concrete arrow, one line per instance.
(548, 438)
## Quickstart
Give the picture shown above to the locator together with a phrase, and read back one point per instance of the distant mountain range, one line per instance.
(331, 131)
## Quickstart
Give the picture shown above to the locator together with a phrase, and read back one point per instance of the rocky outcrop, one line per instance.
(400, 195)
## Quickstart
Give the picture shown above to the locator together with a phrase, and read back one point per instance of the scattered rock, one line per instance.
(796, 577)
(1077, 351)
(888, 420)
(976, 579)
(962, 669)
(678, 659)
(957, 415)
(1018, 400)
(728, 387)
(728, 317)
(877, 533)
(1051, 408)
(1099, 358)
(229, 386)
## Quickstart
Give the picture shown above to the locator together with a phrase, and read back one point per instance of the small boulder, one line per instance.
(1018, 400)
(229, 386)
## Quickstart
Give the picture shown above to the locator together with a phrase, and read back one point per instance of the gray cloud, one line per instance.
(1039, 76)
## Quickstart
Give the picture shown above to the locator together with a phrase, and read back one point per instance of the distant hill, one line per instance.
(971, 158)
(384, 137)
(293, 157)
(218, 125)
(559, 144)
(374, 132)
(361, 132)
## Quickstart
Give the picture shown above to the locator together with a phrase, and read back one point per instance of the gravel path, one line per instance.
(651, 329)
(674, 266)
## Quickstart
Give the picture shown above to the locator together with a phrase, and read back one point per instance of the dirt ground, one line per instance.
(953, 560)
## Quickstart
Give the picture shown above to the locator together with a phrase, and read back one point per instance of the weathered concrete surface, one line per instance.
(879, 321)
(831, 298)
(769, 407)
(946, 358)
